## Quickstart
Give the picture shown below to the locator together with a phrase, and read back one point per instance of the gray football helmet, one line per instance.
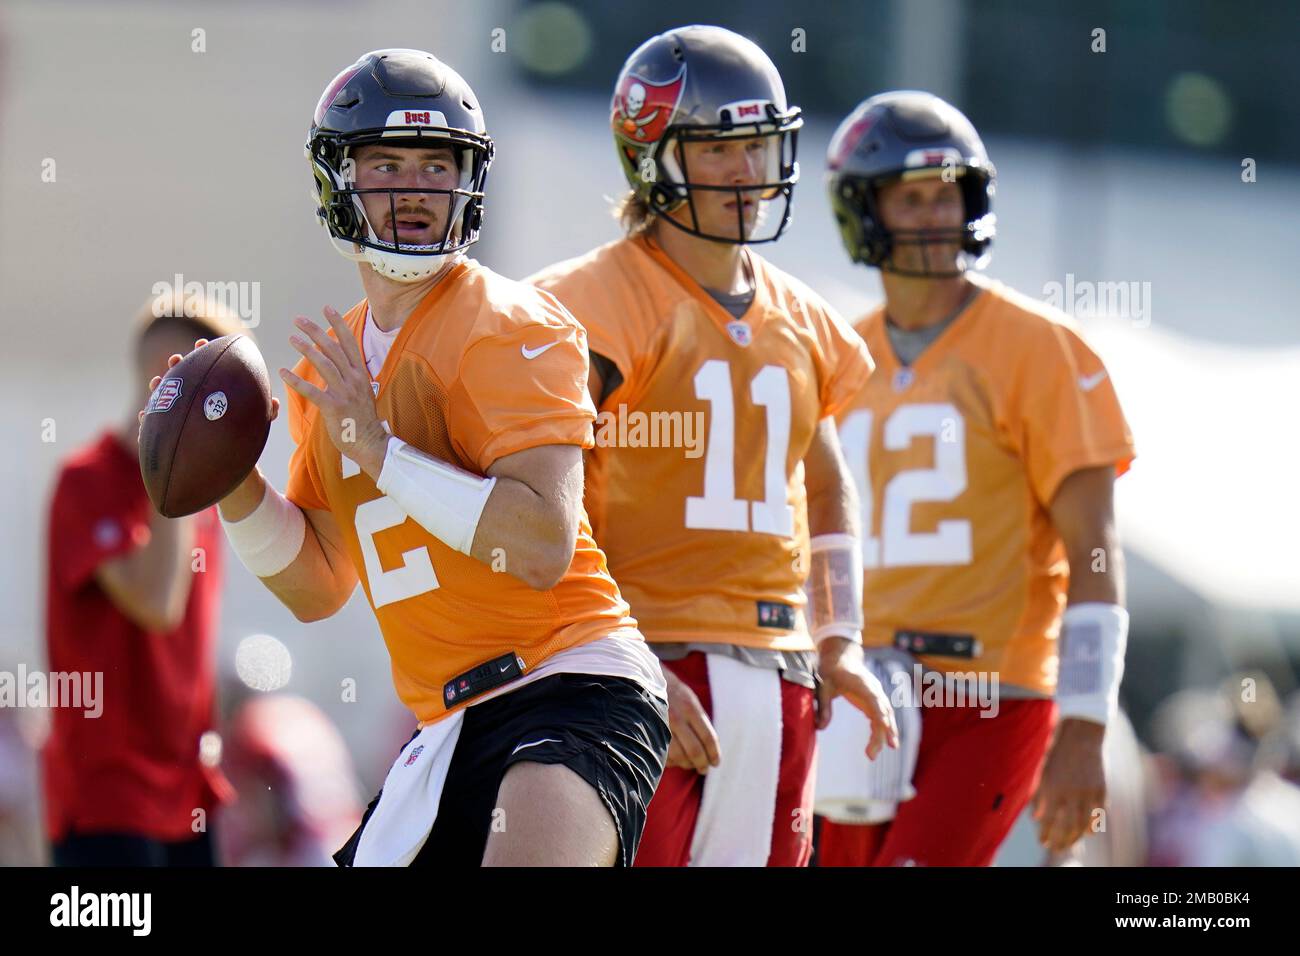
(702, 84)
(904, 134)
(413, 99)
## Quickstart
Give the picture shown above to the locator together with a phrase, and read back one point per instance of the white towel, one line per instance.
(738, 807)
(851, 788)
(408, 805)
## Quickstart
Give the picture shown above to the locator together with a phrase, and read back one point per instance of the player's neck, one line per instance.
(392, 302)
(719, 266)
(915, 303)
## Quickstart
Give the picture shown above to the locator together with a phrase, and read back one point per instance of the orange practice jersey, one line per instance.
(957, 459)
(458, 384)
(708, 543)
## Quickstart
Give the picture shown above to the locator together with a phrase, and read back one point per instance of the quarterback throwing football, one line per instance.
(439, 427)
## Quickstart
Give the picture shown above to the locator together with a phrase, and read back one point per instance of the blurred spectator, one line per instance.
(132, 598)
(1224, 802)
(297, 789)
(22, 732)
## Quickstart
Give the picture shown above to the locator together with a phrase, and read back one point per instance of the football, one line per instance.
(205, 426)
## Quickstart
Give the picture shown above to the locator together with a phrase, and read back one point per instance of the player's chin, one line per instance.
(727, 226)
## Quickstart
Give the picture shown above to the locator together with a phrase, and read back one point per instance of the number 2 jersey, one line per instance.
(957, 458)
(483, 368)
(695, 484)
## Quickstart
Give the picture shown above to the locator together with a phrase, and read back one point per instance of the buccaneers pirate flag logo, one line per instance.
(642, 110)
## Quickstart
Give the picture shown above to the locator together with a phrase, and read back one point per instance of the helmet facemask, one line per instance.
(675, 190)
(859, 218)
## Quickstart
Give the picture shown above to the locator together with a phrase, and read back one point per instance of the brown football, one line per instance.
(205, 426)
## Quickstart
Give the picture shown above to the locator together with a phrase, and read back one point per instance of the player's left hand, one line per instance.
(1073, 785)
(844, 673)
(347, 403)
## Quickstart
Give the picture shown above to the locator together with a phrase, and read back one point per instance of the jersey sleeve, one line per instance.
(604, 321)
(305, 487)
(88, 528)
(844, 360)
(522, 388)
(1070, 416)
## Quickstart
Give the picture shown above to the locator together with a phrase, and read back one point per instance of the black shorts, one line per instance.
(609, 730)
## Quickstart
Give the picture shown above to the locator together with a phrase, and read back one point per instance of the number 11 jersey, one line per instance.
(695, 485)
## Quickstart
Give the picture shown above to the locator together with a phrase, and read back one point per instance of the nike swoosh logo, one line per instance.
(533, 353)
(1089, 382)
(545, 740)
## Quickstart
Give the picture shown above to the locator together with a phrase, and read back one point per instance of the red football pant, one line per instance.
(674, 810)
(974, 776)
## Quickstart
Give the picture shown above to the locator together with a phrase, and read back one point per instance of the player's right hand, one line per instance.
(695, 743)
(176, 357)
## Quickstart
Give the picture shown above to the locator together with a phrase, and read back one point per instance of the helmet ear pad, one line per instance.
(858, 216)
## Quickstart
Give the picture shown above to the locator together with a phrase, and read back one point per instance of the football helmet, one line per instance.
(411, 98)
(703, 84)
(902, 135)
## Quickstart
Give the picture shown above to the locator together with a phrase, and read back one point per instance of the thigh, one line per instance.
(551, 817)
(974, 776)
(609, 732)
(109, 849)
(792, 824)
(670, 821)
(847, 844)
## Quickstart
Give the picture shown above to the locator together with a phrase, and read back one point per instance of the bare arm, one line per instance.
(151, 585)
(832, 497)
(321, 578)
(1072, 787)
(1083, 512)
(531, 518)
(833, 509)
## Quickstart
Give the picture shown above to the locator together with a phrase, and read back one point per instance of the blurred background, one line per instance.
(1147, 183)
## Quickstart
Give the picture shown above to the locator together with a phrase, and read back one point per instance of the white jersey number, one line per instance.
(415, 576)
(719, 509)
(898, 545)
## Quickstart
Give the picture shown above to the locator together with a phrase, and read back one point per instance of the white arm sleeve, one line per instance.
(1093, 639)
(834, 587)
(446, 501)
(267, 540)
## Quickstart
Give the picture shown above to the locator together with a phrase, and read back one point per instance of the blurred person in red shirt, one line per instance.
(297, 787)
(132, 596)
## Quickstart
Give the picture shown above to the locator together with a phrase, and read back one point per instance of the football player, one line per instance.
(711, 541)
(439, 427)
(985, 449)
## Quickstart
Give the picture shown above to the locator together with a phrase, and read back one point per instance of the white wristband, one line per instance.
(268, 539)
(834, 587)
(1092, 643)
(445, 500)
